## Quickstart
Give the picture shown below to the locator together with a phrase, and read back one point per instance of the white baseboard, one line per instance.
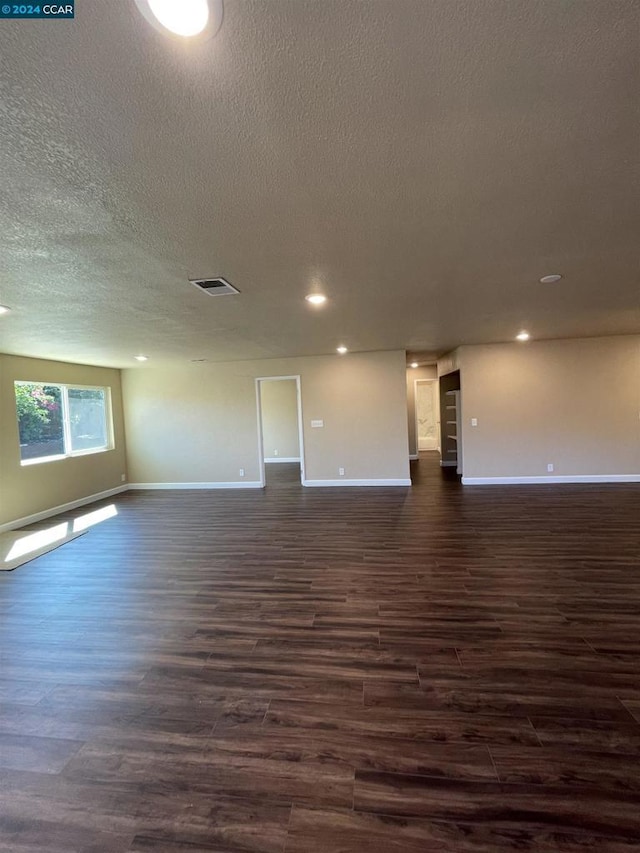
(269, 460)
(570, 478)
(56, 510)
(446, 464)
(343, 482)
(249, 484)
(413, 456)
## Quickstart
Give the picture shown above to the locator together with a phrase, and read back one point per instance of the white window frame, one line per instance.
(66, 426)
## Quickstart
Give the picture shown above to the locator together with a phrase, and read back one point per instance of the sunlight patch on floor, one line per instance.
(19, 546)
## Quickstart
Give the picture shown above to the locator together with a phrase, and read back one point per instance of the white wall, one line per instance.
(197, 423)
(27, 490)
(279, 405)
(572, 403)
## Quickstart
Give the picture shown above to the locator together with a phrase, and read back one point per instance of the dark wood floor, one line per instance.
(329, 671)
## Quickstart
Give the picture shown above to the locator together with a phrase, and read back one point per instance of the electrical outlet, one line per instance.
(341, 472)
(275, 452)
(550, 467)
(123, 478)
(242, 472)
(474, 422)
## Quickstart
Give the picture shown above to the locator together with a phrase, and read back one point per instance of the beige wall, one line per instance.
(448, 363)
(198, 423)
(572, 403)
(29, 489)
(414, 373)
(279, 403)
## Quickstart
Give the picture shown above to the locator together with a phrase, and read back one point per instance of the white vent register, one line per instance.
(214, 286)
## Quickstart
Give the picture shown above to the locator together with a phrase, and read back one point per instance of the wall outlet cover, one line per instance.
(550, 467)
(242, 472)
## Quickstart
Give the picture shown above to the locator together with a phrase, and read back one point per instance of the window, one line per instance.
(55, 421)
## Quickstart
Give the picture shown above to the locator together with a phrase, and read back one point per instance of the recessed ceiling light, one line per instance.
(4, 309)
(550, 279)
(523, 336)
(141, 357)
(187, 18)
(342, 350)
(316, 298)
(414, 364)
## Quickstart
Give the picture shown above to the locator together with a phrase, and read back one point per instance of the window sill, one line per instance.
(60, 456)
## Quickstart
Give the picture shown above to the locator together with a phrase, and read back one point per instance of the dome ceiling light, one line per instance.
(316, 298)
(550, 279)
(184, 18)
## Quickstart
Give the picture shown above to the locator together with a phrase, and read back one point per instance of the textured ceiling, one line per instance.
(424, 162)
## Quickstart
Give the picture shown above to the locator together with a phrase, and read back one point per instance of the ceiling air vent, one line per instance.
(214, 286)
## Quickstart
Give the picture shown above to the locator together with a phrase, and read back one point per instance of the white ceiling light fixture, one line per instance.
(141, 357)
(185, 18)
(523, 336)
(316, 298)
(414, 364)
(4, 309)
(342, 349)
(550, 279)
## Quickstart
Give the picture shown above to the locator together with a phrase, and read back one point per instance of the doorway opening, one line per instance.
(427, 414)
(280, 437)
(451, 421)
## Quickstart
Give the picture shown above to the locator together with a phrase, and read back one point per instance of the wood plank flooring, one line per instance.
(329, 671)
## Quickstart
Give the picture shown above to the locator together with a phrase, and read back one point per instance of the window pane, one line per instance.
(40, 426)
(87, 419)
